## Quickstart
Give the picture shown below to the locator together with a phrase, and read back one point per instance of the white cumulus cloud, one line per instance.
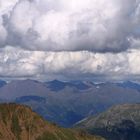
(70, 39)
(60, 25)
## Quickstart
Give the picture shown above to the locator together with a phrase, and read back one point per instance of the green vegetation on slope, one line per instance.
(15, 126)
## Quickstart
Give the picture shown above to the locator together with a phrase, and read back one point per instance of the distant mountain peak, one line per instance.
(129, 84)
(56, 85)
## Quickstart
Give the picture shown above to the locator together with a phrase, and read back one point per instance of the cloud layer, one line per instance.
(60, 25)
(44, 39)
(20, 63)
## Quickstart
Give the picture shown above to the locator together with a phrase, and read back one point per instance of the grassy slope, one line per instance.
(18, 122)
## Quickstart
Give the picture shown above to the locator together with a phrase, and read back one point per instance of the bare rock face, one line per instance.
(19, 122)
(120, 122)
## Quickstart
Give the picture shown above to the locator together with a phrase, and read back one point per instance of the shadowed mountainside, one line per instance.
(120, 122)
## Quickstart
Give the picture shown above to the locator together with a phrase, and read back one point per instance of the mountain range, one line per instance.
(66, 103)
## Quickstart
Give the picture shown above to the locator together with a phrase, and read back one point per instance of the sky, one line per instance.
(77, 39)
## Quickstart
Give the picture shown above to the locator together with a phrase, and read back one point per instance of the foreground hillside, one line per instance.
(121, 122)
(18, 122)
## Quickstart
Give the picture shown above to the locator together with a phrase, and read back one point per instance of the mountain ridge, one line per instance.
(121, 122)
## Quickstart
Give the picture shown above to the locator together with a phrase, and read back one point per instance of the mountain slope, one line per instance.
(2, 83)
(129, 84)
(15, 89)
(121, 122)
(18, 122)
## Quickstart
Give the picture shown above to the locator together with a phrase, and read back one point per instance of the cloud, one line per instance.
(69, 65)
(87, 39)
(60, 25)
